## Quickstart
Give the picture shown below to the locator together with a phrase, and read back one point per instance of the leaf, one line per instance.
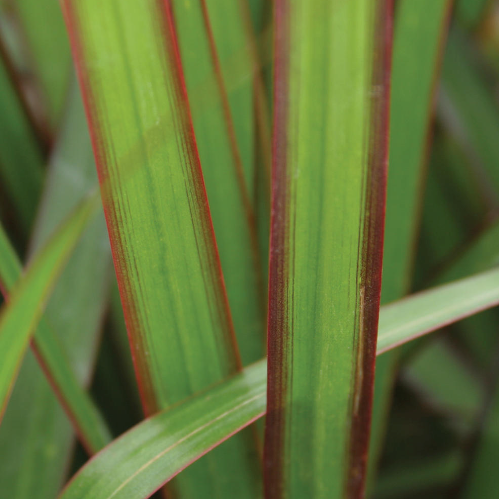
(67, 347)
(157, 449)
(470, 12)
(461, 299)
(50, 55)
(230, 205)
(470, 108)
(419, 36)
(161, 235)
(330, 144)
(19, 317)
(477, 333)
(21, 159)
(154, 451)
(241, 68)
(445, 382)
(480, 481)
(403, 480)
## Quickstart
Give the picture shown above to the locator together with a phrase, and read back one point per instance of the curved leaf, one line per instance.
(153, 452)
(427, 311)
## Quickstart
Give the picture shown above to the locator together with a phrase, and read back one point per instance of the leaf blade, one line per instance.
(24, 309)
(323, 221)
(156, 208)
(107, 472)
(219, 150)
(419, 36)
(21, 158)
(482, 291)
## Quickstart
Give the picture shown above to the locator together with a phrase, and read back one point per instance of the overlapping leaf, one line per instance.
(154, 451)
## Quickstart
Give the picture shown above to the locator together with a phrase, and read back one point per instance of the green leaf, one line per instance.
(471, 107)
(481, 479)
(419, 35)
(405, 480)
(444, 381)
(477, 333)
(154, 451)
(50, 55)
(157, 449)
(19, 317)
(332, 70)
(230, 28)
(161, 235)
(435, 368)
(470, 12)
(21, 159)
(230, 204)
(459, 299)
(67, 347)
(241, 68)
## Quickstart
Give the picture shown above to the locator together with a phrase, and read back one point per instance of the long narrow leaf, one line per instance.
(50, 55)
(21, 158)
(446, 383)
(477, 333)
(481, 479)
(54, 362)
(230, 204)
(153, 452)
(332, 69)
(481, 291)
(161, 235)
(419, 35)
(65, 341)
(474, 110)
(20, 316)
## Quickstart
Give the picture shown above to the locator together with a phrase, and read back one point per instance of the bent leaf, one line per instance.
(21, 314)
(154, 451)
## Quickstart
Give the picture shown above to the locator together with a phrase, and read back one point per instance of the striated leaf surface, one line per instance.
(419, 35)
(157, 213)
(328, 201)
(154, 451)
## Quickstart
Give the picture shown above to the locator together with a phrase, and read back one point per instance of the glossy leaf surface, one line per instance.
(460, 299)
(154, 451)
